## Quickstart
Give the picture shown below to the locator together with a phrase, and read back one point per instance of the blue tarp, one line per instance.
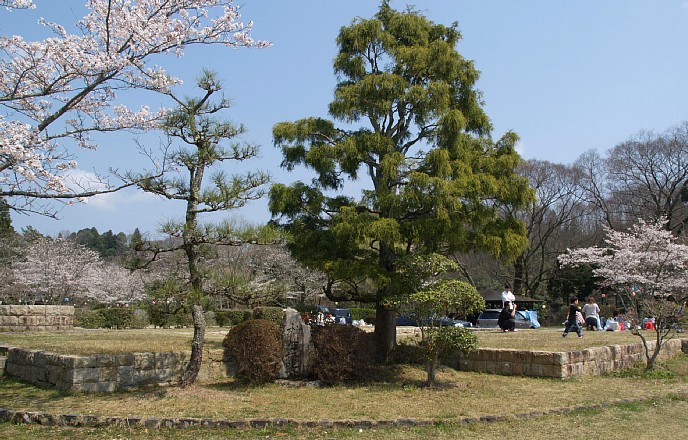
(532, 317)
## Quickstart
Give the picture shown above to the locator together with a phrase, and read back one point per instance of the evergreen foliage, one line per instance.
(435, 175)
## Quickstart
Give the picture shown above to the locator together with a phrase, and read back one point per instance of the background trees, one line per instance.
(434, 174)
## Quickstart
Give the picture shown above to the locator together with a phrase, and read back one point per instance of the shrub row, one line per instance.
(125, 317)
(342, 354)
(117, 318)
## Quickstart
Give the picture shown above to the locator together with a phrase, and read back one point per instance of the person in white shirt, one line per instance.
(508, 298)
(592, 314)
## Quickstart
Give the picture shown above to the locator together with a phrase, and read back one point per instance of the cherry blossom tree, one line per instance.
(648, 267)
(53, 270)
(57, 93)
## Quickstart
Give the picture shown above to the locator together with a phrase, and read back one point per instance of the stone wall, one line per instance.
(591, 361)
(36, 318)
(104, 373)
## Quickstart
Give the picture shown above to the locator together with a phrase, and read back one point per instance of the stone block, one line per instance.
(144, 361)
(518, 368)
(73, 361)
(55, 374)
(124, 360)
(167, 361)
(16, 310)
(575, 369)
(144, 377)
(125, 376)
(168, 375)
(556, 371)
(535, 370)
(36, 310)
(504, 355)
(82, 375)
(504, 368)
(107, 374)
(105, 360)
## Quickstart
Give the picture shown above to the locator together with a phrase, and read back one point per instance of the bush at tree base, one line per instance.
(257, 348)
(343, 353)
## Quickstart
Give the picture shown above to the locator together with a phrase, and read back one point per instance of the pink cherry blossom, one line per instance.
(56, 92)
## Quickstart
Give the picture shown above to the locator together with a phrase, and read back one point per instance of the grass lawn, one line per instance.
(400, 395)
(158, 340)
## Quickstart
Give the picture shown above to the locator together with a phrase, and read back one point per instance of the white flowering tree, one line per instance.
(53, 270)
(57, 93)
(117, 285)
(648, 267)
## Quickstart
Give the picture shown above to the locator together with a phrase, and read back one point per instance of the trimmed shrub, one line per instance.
(86, 318)
(139, 319)
(227, 318)
(117, 317)
(343, 353)
(256, 347)
(274, 314)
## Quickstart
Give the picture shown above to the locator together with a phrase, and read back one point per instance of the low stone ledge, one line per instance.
(23, 318)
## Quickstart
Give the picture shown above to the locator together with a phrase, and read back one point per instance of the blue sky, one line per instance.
(567, 76)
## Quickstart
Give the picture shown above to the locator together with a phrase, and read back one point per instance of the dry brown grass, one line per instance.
(158, 340)
(461, 394)
(82, 342)
(658, 419)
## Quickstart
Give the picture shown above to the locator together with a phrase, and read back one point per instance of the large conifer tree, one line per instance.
(435, 176)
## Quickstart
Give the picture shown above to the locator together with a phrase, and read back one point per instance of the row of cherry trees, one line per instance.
(37, 269)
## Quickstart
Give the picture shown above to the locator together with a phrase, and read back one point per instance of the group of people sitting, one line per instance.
(588, 316)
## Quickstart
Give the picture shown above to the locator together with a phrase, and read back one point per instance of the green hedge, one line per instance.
(86, 318)
(228, 318)
(274, 314)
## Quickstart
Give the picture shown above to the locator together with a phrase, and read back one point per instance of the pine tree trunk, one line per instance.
(194, 366)
(385, 332)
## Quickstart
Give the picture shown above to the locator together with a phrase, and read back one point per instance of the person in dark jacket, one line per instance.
(506, 320)
(572, 322)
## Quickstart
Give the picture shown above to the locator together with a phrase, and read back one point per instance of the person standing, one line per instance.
(572, 322)
(591, 311)
(508, 297)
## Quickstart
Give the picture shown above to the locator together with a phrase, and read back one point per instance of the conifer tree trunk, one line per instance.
(194, 366)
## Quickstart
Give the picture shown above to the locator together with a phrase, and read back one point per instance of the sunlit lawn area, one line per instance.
(461, 394)
(400, 394)
(157, 340)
